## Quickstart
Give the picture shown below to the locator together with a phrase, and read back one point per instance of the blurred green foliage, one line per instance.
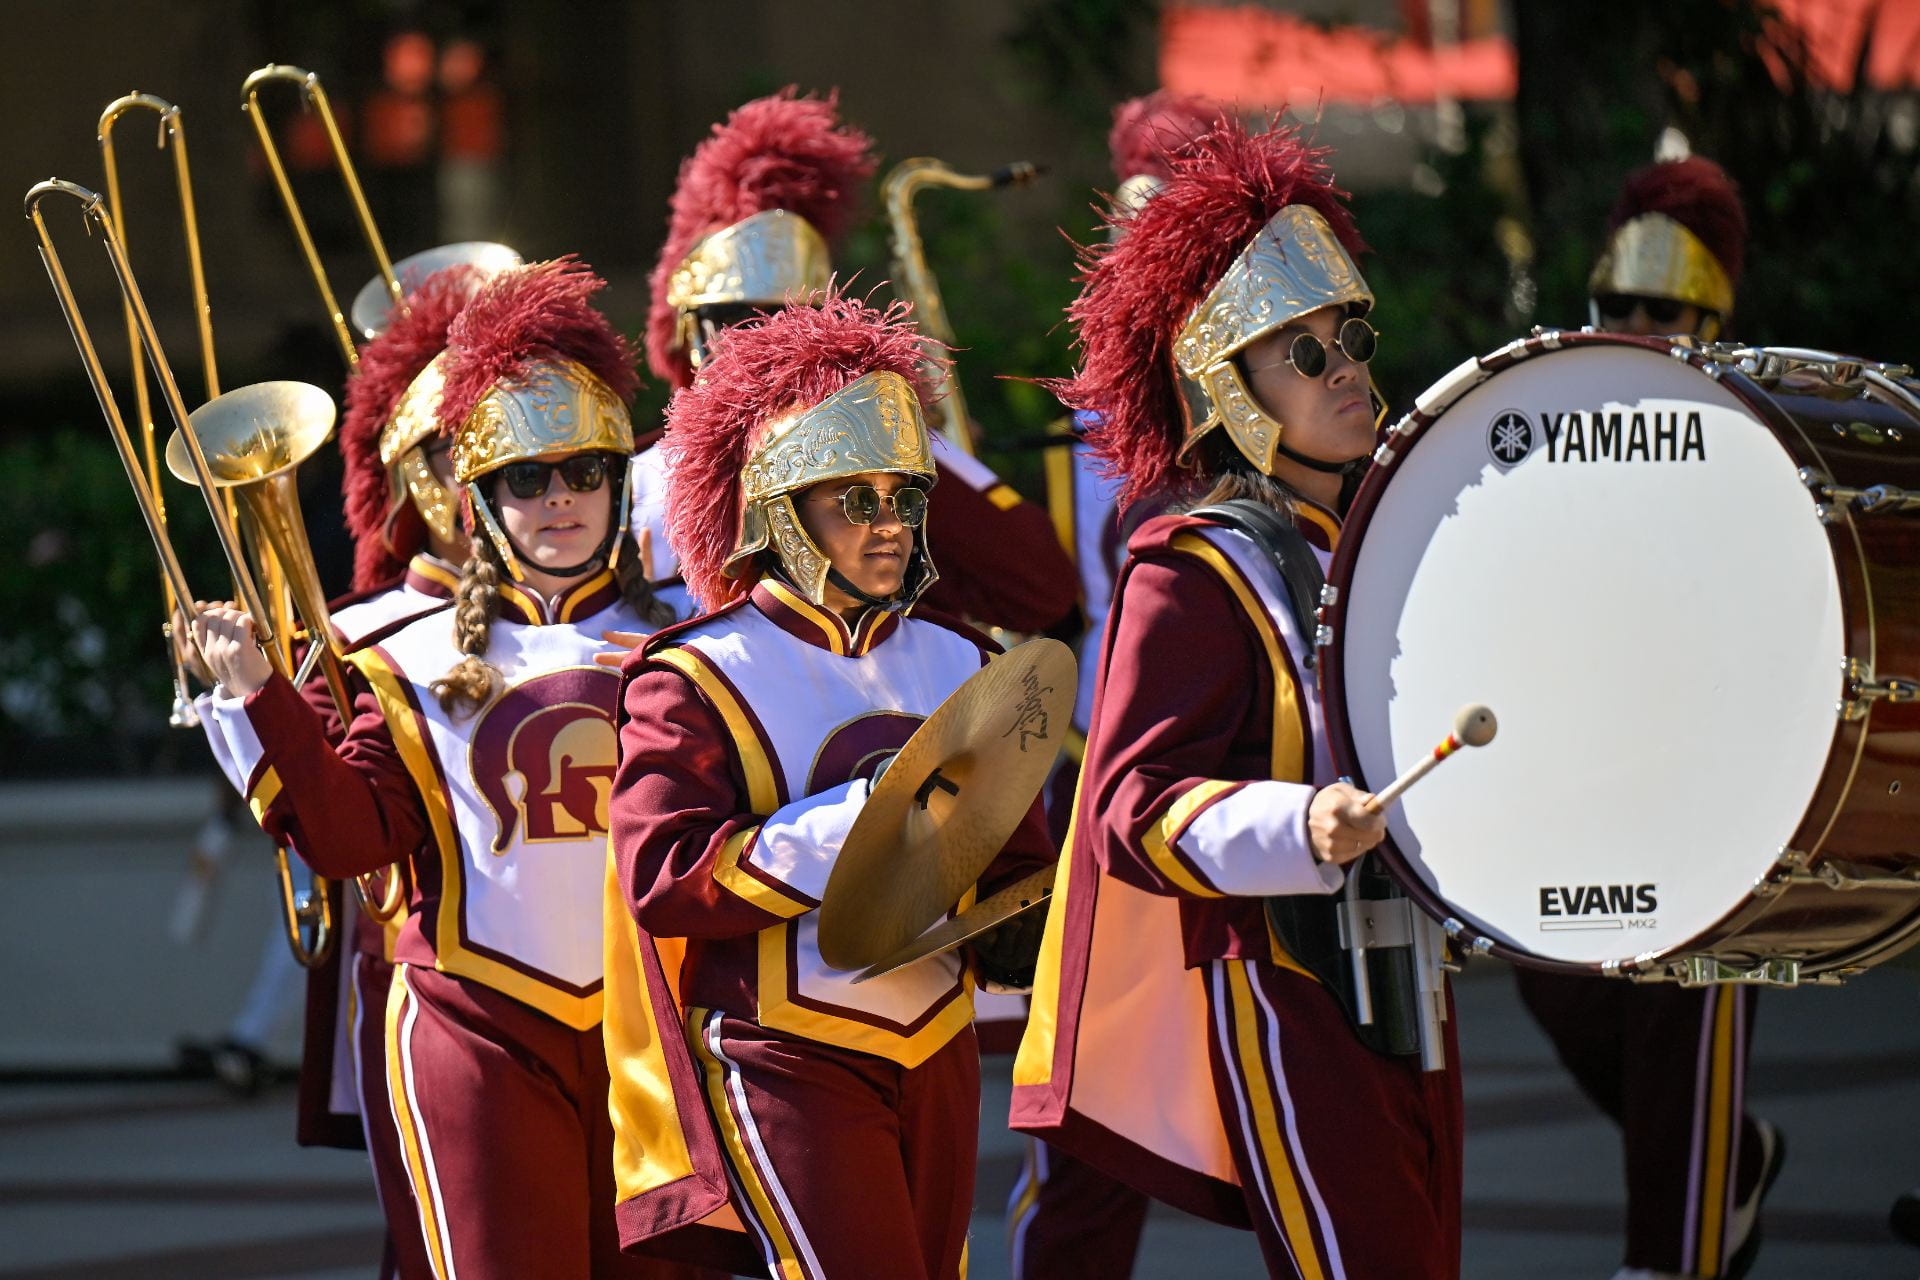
(84, 676)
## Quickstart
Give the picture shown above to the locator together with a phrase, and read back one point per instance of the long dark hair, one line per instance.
(1226, 475)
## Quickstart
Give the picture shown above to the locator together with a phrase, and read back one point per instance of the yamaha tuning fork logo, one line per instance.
(1510, 438)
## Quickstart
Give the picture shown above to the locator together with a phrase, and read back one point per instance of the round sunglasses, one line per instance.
(582, 473)
(1356, 339)
(861, 504)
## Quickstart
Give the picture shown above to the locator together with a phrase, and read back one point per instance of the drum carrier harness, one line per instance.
(1380, 957)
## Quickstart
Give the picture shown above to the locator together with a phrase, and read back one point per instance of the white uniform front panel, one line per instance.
(1608, 549)
(807, 701)
(528, 781)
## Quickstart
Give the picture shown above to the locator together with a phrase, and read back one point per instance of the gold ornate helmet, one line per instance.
(755, 210)
(456, 270)
(1247, 234)
(817, 393)
(532, 369)
(1294, 265)
(757, 262)
(393, 500)
(873, 424)
(1678, 232)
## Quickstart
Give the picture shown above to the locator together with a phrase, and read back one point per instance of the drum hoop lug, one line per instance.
(1383, 456)
(1329, 595)
(1323, 636)
(1863, 689)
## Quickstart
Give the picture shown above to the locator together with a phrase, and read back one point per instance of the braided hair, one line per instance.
(472, 682)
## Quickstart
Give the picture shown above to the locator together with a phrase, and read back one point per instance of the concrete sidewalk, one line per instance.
(157, 1181)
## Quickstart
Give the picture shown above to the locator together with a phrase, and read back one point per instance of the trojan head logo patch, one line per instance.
(856, 748)
(543, 756)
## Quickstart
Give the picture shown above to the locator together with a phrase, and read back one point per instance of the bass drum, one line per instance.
(1687, 580)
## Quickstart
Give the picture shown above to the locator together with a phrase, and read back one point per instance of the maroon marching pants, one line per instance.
(1668, 1065)
(1067, 1220)
(503, 1124)
(1350, 1161)
(407, 1250)
(845, 1165)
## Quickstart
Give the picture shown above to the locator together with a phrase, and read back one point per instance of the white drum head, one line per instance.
(1609, 550)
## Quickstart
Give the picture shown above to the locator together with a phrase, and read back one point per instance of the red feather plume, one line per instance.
(528, 313)
(1147, 129)
(795, 359)
(1696, 193)
(383, 543)
(779, 152)
(1139, 290)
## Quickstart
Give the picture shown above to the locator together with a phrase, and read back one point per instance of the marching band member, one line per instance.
(1668, 1064)
(407, 544)
(1176, 1039)
(1066, 1218)
(846, 1115)
(1676, 242)
(479, 754)
(759, 204)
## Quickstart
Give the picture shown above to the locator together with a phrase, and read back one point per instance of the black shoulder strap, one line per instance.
(1288, 548)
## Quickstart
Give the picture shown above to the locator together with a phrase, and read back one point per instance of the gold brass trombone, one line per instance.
(315, 97)
(914, 279)
(313, 910)
(172, 130)
(382, 903)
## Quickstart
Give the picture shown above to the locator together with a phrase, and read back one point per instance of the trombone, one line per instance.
(383, 904)
(267, 450)
(915, 277)
(315, 98)
(171, 131)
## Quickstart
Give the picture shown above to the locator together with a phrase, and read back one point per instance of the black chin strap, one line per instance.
(1313, 464)
(841, 581)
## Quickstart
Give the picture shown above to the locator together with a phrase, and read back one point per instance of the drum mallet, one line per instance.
(1473, 726)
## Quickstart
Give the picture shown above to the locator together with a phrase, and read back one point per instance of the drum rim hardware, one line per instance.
(1835, 501)
(1863, 689)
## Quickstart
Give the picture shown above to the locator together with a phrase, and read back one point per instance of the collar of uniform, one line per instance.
(1321, 526)
(432, 576)
(822, 628)
(581, 600)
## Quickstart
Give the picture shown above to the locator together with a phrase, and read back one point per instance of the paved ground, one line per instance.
(112, 1181)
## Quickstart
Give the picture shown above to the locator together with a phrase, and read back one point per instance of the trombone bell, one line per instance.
(255, 432)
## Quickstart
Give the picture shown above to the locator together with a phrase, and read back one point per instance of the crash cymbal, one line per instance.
(947, 803)
(1023, 894)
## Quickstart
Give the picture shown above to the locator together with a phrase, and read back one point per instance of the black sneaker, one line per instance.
(1904, 1217)
(240, 1067)
(1746, 1214)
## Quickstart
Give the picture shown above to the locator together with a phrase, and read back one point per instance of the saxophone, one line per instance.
(913, 278)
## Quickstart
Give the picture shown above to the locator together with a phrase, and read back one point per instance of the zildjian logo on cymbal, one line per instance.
(1030, 717)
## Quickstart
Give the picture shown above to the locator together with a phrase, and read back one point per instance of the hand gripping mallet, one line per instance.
(1473, 726)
